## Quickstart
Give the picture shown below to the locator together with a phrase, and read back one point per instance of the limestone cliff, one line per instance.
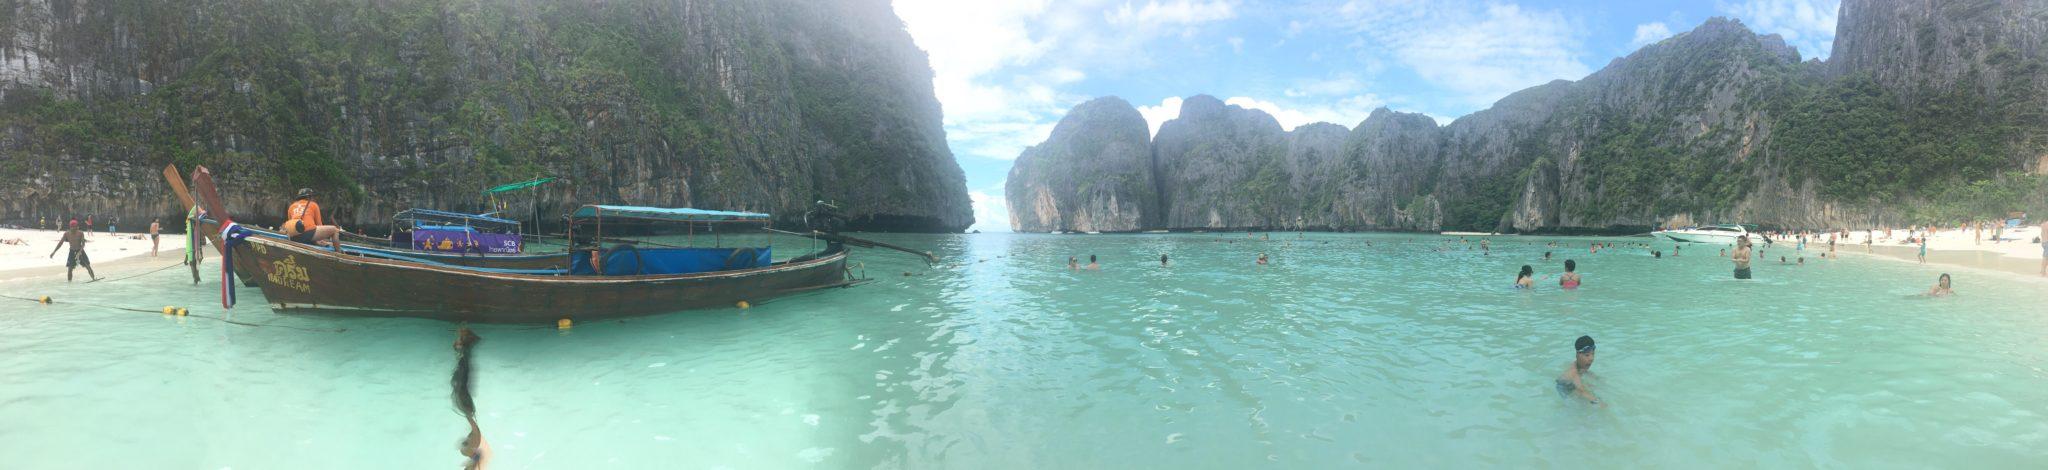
(1094, 174)
(761, 105)
(1930, 112)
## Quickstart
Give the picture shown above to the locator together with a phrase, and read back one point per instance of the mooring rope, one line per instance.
(175, 311)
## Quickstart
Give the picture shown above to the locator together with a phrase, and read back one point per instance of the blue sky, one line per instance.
(1007, 70)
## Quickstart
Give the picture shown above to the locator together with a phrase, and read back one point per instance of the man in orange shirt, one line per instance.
(302, 223)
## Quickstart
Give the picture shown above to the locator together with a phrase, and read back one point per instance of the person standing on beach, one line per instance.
(155, 226)
(77, 257)
(2044, 247)
(1741, 257)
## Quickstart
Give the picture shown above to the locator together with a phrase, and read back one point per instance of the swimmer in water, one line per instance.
(1162, 260)
(1573, 383)
(1092, 265)
(1262, 259)
(1526, 279)
(1941, 287)
(1570, 279)
(1546, 256)
(1073, 264)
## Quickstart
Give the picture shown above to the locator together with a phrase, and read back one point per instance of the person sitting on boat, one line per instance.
(1573, 383)
(302, 223)
(1570, 279)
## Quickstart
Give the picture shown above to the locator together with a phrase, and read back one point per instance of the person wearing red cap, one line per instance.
(77, 257)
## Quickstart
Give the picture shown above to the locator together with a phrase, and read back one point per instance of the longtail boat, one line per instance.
(599, 283)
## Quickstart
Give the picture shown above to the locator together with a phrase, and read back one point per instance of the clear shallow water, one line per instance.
(1337, 355)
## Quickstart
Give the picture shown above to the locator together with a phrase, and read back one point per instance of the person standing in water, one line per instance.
(1526, 279)
(1073, 264)
(1574, 382)
(1262, 259)
(1092, 265)
(1942, 288)
(1570, 280)
(473, 447)
(1162, 260)
(77, 257)
(1741, 257)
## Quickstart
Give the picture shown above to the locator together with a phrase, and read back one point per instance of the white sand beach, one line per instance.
(31, 259)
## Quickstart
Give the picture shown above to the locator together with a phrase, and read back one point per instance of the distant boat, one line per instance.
(1724, 234)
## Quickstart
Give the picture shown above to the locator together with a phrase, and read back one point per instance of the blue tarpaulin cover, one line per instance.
(672, 260)
(679, 214)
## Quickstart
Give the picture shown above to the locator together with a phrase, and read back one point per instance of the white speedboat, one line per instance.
(1724, 234)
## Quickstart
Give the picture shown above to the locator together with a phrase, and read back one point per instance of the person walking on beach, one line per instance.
(155, 226)
(2044, 247)
(302, 223)
(1741, 257)
(1573, 383)
(1923, 249)
(88, 224)
(77, 257)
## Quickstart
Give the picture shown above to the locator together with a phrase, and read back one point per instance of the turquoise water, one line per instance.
(1336, 355)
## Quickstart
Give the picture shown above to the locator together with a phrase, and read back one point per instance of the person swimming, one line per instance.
(1262, 259)
(1073, 263)
(1942, 288)
(1526, 279)
(1572, 384)
(1092, 265)
(1570, 279)
(1546, 256)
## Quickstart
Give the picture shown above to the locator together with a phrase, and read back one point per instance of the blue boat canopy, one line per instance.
(677, 214)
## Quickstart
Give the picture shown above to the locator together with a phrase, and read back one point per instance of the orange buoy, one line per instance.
(563, 324)
(743, 305)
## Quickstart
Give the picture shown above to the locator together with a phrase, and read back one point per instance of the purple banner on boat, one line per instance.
(465, 241)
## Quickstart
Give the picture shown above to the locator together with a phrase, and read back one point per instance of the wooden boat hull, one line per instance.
(301, 278)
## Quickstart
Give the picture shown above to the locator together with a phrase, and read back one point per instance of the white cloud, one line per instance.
(1236, 44)
(991, 212)
(1482, 54)
(1167, 109)
(1649, 33)
(1182, 12)
(1346, 112)
(1806, 24)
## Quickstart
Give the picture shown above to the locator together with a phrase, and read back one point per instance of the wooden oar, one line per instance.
(177, 181)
